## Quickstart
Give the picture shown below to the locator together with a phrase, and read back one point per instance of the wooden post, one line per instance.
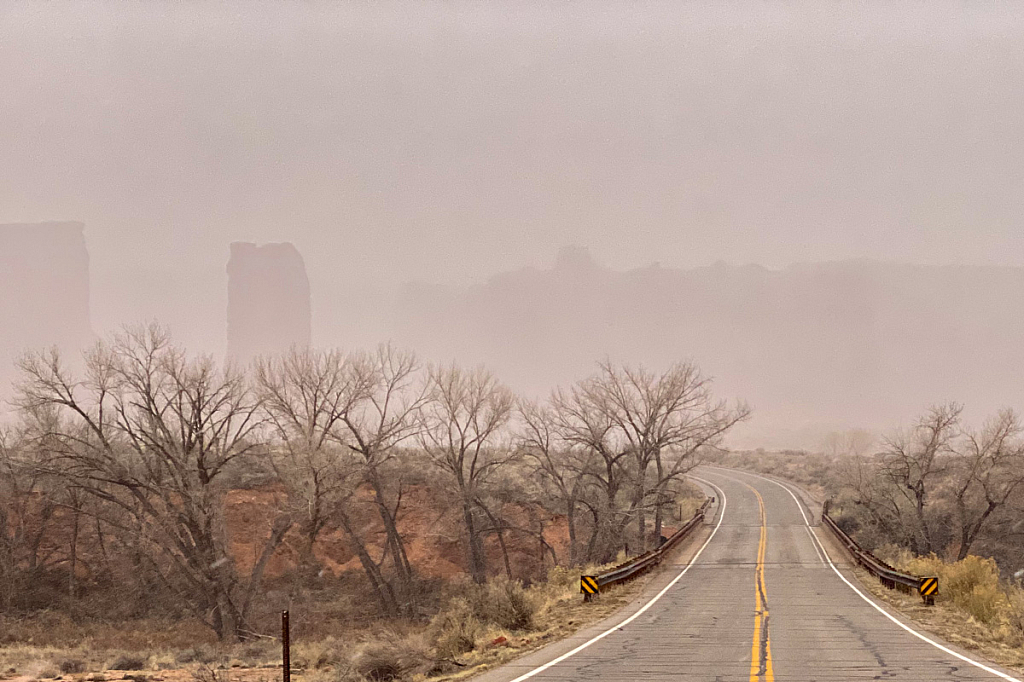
(286, 658)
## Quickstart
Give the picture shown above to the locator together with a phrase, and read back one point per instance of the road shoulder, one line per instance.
(641, 592)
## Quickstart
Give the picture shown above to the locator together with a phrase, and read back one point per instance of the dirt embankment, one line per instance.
(429, 523)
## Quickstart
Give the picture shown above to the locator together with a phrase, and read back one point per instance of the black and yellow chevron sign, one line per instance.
(588, 584)
(928, 587)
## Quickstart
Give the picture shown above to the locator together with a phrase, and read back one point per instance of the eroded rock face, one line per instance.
(269, 307)
(44, 291)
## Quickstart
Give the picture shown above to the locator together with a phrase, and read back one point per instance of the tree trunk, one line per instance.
(73, 558)
(7, 567)
(969, 532)
(227, 624)
(477, 561)
(570, 518)
(659, 498)
(281, 527)
(308, 563)
(657, 522)
(395, 545)
(500, 530)
(922, 524)
(592, 545)
(386, 600)
(641, 516)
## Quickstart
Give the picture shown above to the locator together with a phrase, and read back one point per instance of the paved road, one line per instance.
(760, 602)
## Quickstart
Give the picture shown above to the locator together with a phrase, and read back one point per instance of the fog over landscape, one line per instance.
(560, 341)
(822, 209)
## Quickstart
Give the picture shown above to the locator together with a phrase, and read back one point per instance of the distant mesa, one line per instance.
(813, 346)
(574, 258)
(269, 308)
(44, 290)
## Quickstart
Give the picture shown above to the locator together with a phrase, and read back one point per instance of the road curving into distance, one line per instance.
(707, 616)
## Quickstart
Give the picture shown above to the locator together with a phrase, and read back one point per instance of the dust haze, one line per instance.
(820, 205)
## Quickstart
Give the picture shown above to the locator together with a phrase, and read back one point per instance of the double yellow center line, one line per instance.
(761, 650)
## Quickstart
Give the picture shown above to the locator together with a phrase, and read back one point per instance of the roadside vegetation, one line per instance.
(477, 627)
(976, 609)
(159, 511)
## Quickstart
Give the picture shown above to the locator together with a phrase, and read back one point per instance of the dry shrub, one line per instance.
(259, 653)
(204, 673)
(129, 661)
(1015, 610)
(70, 666)
(504, 603)
(564, 577)
(319, 676)
(455, 630)
(29, 660)
(163, 660)
(318, 655)
(386, 661)
(203, 653)
(342, 673)
(971, 584)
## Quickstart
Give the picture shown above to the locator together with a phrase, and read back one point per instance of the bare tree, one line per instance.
(462, 424)
(376, 426)
(26, 518)
(306, 394)
(342, 418)
(151, 432)
(662, 420)
(915, 462)
(940, 485)
(988, 468)
(560, 466)
(865, 487)
(587, 430)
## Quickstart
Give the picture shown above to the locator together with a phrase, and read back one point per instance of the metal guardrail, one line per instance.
(927, 587)
(593, 584)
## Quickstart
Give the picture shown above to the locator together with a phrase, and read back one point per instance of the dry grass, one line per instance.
(56, 629)
(973, 611)
(560, 613)
(482, 627)
(318, 655)
(87, 659)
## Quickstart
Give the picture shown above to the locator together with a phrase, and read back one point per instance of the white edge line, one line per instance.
(644, 608)
(814, 544)
(878, 608)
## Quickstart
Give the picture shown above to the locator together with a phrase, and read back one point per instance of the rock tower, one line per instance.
(44, 292)
(269, 308)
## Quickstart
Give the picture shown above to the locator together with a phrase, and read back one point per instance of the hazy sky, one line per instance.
(446, 141)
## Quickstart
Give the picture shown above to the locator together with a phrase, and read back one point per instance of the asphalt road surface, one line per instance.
(755, 597)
